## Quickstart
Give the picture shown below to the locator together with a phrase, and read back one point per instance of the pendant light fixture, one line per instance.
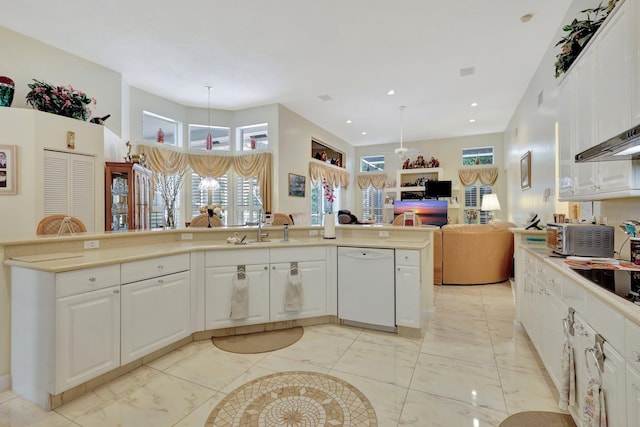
(209, 183)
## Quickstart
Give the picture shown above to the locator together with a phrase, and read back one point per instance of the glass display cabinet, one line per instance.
(127, 197)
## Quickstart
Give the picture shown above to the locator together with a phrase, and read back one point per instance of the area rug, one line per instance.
(538, 419)
(259, 342)
(294, 399)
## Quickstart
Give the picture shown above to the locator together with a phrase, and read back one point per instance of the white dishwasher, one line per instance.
(366, 287)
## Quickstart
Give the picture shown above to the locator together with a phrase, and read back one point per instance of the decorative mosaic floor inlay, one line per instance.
(294, 399)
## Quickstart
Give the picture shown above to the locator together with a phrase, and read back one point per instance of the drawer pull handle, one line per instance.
(160, 267)
(636, 356)
(116, 291)
(92, 279)
(160, 281)
(266, 268)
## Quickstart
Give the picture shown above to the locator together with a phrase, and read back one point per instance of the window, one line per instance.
(253, 137)
(477, 156)
(373, 204)
(198, 136)
(200, 199)
(319, 203)
(372, 163)
(152, 124)
(472, 201)
(248, 202)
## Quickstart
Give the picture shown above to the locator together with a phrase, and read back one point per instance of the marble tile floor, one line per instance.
(474, 367)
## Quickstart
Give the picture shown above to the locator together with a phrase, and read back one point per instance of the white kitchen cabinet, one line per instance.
(553, 311)
(595, 103)
(633, 397)
(612, 376)
(65, 329)
(314, 288)
(632, 357)
(87, 336)
(566, 132)
(408, 288)
(219, 289)
(155, 313)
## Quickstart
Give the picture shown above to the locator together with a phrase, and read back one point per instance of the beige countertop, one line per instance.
(67, 260)
(628, 309)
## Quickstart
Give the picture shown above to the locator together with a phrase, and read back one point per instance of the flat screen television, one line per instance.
(435, 189)
(431, 212)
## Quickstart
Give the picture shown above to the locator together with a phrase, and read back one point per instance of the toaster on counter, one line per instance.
(581, 239)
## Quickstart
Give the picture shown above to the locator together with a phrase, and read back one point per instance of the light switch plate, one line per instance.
(187, 236)
(383, 233)
(313, 232)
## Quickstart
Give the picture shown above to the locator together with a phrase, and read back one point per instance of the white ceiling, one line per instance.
(258, 52)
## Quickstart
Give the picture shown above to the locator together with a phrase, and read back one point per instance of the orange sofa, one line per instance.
(473, 254)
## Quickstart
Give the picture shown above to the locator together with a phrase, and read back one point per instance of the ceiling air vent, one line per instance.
(467, 71)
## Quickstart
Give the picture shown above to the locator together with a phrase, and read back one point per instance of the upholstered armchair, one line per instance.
(60, 224)
(202, 220)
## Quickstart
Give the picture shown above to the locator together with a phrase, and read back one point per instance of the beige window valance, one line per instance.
(487, 176)
(335, 176)
(377, 180)
(172, 160)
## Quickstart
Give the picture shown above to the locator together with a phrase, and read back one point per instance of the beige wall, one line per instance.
(448, 151)
(293, 155)
(24, 59)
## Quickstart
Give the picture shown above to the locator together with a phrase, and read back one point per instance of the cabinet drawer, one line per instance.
(606, 321)
(408, 258)
(154, 267)
(318, 253)
(236, 257)
(88, 279)
(552, 280)
(632, 344)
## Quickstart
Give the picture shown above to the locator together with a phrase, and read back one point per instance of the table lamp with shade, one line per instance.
(490, 203)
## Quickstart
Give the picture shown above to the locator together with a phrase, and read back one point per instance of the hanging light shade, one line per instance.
(208, 184)
(209, 139)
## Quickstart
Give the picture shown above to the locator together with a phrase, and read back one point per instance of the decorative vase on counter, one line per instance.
(170, 216)
(7, 89)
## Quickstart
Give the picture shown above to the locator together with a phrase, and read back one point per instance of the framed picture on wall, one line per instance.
(296, 185)
(8, 169)
(525, 171)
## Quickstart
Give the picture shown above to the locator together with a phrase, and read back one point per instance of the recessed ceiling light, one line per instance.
(364, 133)
(349, 121)
(391, 92)
(472, 120)
(474, 104)
(527, 17)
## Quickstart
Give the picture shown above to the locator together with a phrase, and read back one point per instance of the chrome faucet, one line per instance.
(261, 235)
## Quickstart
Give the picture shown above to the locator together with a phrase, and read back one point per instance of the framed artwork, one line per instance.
(296, 185)
(8, 169)
(525, 171)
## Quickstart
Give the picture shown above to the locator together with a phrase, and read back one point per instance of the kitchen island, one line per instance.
(81, 317)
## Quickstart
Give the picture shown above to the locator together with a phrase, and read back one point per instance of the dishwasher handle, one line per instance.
(364, 255)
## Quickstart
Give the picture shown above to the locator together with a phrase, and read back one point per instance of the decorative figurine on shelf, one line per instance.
(433, 163)
(406, 164)
(160, 136)
(253, 142)
(7, 89)
(100, 120)
(419, 163)
(128, 158)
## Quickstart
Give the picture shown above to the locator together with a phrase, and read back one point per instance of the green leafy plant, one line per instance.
(61, 100)
(579, 34)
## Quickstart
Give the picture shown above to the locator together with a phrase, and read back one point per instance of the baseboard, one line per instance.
(5, 382)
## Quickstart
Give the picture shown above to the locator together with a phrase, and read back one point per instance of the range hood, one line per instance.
(625, 146)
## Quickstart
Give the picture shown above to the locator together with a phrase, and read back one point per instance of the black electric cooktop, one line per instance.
(623, 283)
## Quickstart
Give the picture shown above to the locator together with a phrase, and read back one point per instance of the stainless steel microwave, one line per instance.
(581, 239)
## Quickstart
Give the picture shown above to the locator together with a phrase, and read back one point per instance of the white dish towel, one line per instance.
(240, 298)
(594, 412)
(568, 390)
(293, 294)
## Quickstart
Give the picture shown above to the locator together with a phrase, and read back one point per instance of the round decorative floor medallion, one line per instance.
(294, 399)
